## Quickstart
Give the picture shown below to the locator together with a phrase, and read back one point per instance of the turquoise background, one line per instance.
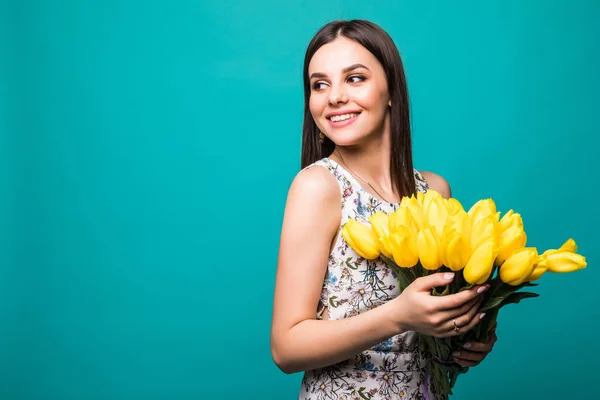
(146, 152)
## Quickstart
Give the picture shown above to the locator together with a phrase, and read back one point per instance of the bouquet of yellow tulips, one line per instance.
(428, 233)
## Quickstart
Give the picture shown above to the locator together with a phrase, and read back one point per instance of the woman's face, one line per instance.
(349, 96)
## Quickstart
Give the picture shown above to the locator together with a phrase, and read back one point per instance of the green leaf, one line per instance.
(515, 298)
(492, 303)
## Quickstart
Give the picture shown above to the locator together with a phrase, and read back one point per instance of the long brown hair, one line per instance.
(381, 45)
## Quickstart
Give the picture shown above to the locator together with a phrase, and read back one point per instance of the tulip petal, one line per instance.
(428, 250)
(481, 209)
(564, 262)
(458, 253)
(404, 250)
(361, 238)
(480, 264)
(519, 266)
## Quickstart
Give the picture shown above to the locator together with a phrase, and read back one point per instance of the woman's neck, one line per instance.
(370, 164)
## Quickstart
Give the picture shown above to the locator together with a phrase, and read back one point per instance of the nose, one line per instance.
(337, 95)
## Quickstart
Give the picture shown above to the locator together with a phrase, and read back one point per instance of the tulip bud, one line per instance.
(402, 217)
(436, 215)
(518, 267)
(454, 206)
(569, 246)
(404, 250)
(481, 209)
(511, 240)
(362, 239)
(480, 264)
(428, 249)
(458, 253)
(431, 195)
(509, 219)
(379, 223)
(538, 271)
(483, 230)
(565, 262)
(416, 211)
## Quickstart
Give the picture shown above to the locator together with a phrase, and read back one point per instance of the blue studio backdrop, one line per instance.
(146, 150)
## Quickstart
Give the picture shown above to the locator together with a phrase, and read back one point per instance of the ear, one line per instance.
(390, 103)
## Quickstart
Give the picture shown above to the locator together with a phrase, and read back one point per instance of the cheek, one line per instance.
(316, 104)
(372, 98)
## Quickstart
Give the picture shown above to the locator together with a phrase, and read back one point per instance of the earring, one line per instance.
(321, 137)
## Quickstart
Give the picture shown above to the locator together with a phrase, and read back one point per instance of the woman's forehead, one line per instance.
(339, 54)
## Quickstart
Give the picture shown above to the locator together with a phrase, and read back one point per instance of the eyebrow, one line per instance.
(345, 70)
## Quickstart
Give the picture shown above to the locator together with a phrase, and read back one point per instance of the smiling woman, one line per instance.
(338, 317)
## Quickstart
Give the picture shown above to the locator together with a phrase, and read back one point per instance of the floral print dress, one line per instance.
(393, 369)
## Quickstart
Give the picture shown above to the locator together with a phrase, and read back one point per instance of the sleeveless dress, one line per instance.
(393, 369)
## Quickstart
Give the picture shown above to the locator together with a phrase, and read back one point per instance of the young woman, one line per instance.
(337, 317)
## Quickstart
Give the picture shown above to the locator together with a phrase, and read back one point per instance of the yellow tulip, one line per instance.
(416, 210)
(480, 264)
(565, 262)
(379, 223)
(385, 246)
(404, 250)
(361, 238)
(461, 222)
(454, 206)
(538, 271)
(428, 249)
(511, 240)
(430, 196)
(509, 219)
(436, 214)
(483, 230)
(569, 246)
(481, 209)
(402, 217)
(518, 267)
(458, 252)
(455, 246)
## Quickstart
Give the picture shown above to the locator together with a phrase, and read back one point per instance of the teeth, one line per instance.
(338, 118)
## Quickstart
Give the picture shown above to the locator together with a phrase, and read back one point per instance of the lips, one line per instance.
(339, 120)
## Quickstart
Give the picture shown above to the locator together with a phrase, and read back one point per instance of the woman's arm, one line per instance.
(298, 341)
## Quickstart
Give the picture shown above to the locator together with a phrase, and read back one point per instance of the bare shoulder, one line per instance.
(314, 184)
(437, 183)
(313, 207)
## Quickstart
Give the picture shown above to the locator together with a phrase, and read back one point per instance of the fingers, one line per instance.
(466, 318)
(462, 359)
(464, 309)
(426, 283)
(464, 323)
(476, 352)
(454, 301)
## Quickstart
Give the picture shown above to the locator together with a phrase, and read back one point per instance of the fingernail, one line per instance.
(448, 275)
(482, 289)
(456, 353)
(482, 315)
(467, 345)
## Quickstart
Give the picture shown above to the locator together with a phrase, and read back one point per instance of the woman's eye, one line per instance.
(356, 78)
(318, 85)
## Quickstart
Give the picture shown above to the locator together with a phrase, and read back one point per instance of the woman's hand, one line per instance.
(417, 310)
(474, 352)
